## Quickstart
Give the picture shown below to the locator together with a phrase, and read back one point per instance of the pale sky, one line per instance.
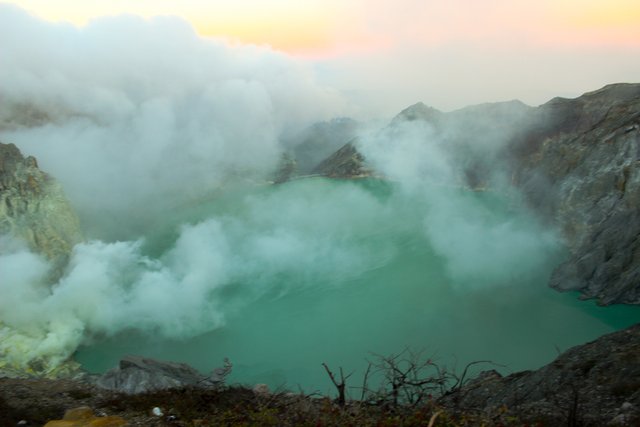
(391, 53)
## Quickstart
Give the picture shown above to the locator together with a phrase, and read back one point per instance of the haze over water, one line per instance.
(164, 141)
(365, 278)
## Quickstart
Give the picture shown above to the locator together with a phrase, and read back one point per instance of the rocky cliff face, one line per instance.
(597, 383)
(34, 209)
(319, 141)
(346, 163)
(581, 167)
(578, 164)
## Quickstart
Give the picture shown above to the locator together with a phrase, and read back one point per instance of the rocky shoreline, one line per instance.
(594, 384)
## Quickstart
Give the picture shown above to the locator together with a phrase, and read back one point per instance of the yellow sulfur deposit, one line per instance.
(84, 417)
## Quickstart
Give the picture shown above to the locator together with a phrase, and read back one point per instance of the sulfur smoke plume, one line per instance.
(148, 126)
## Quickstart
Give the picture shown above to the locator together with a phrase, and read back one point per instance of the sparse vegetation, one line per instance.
(589, 385)
(239, 406)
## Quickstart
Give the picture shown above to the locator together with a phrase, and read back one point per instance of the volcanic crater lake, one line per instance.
(320, 270)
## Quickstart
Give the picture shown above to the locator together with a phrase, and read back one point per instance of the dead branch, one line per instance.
(340, 386)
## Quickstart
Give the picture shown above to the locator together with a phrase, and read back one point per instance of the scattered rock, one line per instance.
(261, 389)
(219, 375)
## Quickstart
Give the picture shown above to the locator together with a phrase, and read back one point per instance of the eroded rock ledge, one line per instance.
(597, 383)
(34, 209)
(583, 170)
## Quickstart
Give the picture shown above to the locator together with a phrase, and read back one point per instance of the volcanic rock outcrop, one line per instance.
(320, 140)
(135, 374)
(580, 164)
(347, 162)
(34, 209)
(597, 383)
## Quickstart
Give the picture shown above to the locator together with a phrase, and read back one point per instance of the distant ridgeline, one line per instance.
(577, 162)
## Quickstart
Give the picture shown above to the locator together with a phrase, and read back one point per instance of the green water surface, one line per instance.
(366, 279)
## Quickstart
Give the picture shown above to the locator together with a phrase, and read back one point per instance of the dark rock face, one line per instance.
(347, 162)
(34, 208)
(597, 383)
(321, 140)
(582, 170)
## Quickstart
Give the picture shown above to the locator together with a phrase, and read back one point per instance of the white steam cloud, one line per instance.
(126, 112)
(139, 118)
(134, 117)
(113, 287)
(478, 246)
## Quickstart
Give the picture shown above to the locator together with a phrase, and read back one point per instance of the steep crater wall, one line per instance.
(582, 169)
(34, 209)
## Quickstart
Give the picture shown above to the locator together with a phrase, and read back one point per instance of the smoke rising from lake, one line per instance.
(165, 141)
(130, 113)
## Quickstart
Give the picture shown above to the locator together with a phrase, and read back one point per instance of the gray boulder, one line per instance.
(136, 374)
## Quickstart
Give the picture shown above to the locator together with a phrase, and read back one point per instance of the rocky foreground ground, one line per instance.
(595, 384)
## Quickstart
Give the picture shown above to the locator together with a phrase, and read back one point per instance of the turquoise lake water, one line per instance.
(335, 271)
